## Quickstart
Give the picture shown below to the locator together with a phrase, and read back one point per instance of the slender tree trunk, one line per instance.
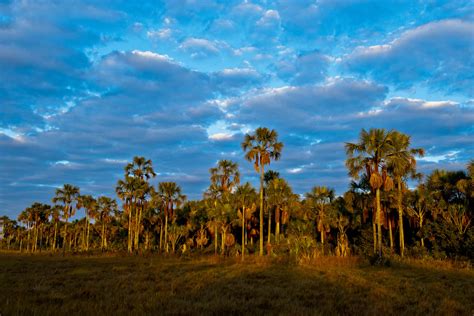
(421, 226)
(35, 238)
(161, 235)
(243, 232)
(48, 240)
(323, 232)
(166, 233)
(147, 237)
(87, 234)
(55, 234)
(28, 246)
(277, 224)
(103, 235)
(379, 222)
(400, 217)
(135, 241)
(21, 245)
(374, 230)
(216, 235)
(261, 210)
(269, 225)
(84, 233)
(130, 229)
(390, 234)
(137, 230)
(223, 241)
(65, 230)
(41, 237)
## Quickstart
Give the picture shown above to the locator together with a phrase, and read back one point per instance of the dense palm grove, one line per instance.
(378, 215)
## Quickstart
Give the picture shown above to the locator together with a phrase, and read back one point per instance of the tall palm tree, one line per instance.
(26, 219)
(320, 199)
(105, 206)
(226, 175)
(245, 196)
(369, 156)
(402, 164)
(55, 214)
(90, 206)
(279, 195)
(212, 198)
(125, 190)
(260, 148)
(67, 196)
(171, 195)
(140, 169)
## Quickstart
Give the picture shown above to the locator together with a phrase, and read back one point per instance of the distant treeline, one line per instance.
(378, 215)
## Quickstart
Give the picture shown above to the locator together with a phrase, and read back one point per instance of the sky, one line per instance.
(87, 85)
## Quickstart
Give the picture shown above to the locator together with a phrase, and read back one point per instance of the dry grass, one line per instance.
(45, 284)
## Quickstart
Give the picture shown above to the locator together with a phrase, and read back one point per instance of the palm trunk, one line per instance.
(130, 229)
(41, 237)
(28, 238)
(379, 222)
(147, 238)
(55, 234)
(421, 226)
(35, 246)
(261, 210)
(87, 235)
(277, 224)
(135, 236)
(243, 232)
(84, 233)
(374, 230)
(400, 218)
(103, 235)
(161, 235)
(216, 234)
(390, 234)
(65, 236)
(137, 232)
(269, 226)
(223, 241)
(166, 232)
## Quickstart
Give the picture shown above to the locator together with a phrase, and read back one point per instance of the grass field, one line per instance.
(45, 284)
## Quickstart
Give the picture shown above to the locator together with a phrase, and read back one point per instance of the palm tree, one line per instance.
(105, 206)
(419, 204)
(66, 196)
(260, 148)
(320, 199)
(140, 169)
(55, 214)
(90, 206)
(245, 196)
(369, 156)
(125, 190)
(279, 195)
(212, 198)
(226, 175)
(402, 164)
(171, 195)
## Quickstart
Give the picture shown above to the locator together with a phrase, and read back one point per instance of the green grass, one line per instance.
(45, 284)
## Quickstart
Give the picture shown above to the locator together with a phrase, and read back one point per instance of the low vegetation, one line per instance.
(114, 284)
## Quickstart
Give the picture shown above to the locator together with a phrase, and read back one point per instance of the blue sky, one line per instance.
(87, 85)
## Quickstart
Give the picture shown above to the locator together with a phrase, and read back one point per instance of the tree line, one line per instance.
(378, 215)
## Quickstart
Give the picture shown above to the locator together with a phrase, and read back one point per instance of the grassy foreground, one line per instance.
(45, 284)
